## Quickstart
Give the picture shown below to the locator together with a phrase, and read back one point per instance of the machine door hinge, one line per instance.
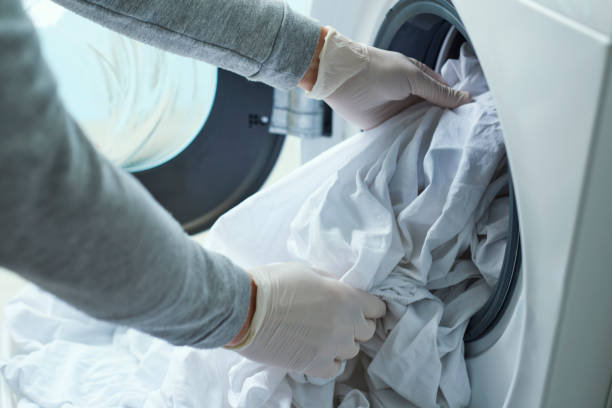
(295, 114)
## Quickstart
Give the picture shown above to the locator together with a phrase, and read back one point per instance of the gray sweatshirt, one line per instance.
(88, 232)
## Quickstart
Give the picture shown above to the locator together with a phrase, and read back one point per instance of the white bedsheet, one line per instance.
(415, 211)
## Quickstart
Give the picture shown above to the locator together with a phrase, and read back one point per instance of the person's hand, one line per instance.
(367, 85)
(307, 322)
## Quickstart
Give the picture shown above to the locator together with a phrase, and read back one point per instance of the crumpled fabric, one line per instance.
(414, 211)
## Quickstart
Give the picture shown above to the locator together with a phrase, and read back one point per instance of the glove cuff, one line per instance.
(262, 302)
(339, 60)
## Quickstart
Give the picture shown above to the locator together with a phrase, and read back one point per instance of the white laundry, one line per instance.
(415, 211)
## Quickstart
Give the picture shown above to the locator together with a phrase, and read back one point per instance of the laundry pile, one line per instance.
(414, 211)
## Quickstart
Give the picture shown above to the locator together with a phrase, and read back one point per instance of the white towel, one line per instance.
(415, 211)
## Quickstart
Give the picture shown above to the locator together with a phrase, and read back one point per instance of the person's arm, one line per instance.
(88, 232)
(263, 40)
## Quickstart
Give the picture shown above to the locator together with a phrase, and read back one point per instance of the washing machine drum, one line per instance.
(432, 32)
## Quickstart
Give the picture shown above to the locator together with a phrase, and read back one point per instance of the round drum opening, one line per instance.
(432, 32)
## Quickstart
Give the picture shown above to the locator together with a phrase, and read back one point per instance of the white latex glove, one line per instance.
(367, 85)
(307, 322)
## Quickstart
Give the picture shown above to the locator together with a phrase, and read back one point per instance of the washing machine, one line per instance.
(544, 338)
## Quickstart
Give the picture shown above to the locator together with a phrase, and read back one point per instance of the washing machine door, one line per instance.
(196, 137)
(229, 159)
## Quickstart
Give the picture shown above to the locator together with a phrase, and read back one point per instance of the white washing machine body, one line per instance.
(549, 67)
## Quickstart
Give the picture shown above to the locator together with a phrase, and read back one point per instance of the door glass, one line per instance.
(140, 106)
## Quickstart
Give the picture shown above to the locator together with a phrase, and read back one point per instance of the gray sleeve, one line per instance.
(87, 231)
(263, 40)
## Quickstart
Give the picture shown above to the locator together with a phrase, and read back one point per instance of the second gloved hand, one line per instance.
(307, 322)
(367, 85)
